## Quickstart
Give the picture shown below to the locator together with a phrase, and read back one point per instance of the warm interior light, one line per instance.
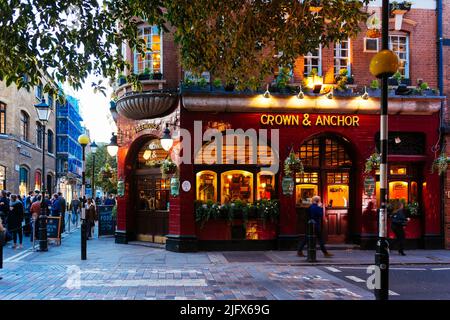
(166, 140)
(263, 185)
(229, 177)
(147, 154)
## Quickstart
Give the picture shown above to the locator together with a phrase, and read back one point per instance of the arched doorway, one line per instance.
(328, 173)
(150, 196)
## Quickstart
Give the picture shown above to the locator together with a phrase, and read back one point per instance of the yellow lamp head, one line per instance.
(83, 140)
(383, 63)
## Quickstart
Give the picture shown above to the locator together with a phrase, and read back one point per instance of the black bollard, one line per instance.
(43, 242)
(382, 262)
(83, 239)
(311, 240)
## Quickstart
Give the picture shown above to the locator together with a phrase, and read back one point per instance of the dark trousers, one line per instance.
(399, 232)
(319, 237)
(17, 231)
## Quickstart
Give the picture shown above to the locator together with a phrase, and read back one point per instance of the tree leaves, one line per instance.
(236, 40)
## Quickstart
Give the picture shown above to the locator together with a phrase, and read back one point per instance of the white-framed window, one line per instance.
(152, 60)
(313, 60)
(371, 45)
(342, 56)
(400, 45)
(39, 92)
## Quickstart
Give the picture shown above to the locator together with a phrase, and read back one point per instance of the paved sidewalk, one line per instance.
(117, 271)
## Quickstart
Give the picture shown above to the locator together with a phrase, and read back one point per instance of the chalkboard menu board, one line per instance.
(106, 222)
(54, 228)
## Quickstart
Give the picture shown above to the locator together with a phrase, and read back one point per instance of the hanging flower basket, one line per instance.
(440, 164)
(373, 33)
(293, 165)
(168, 167)
(373, 162)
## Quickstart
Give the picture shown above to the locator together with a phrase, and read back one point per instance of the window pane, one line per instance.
(398, 190)
(266, 185)
(207, 186)
(304, 194)
(337, 195)
(237, 185)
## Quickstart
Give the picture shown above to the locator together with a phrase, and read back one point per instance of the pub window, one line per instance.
(151, 60)
(310, 152)
(398, 190)
(342, 56)
(307, 177)
(2, 118)
(398, 170)
(24, 125)
(265, 185)
(313, 60)
(23, 180)
(206, 186)
(151, 155)
(338, 189)
(237, 185)
(404, 143)
(3, 177)
(413, 191)
(38, 91)
(335, 154)
(37, 180)
(304, 193)
(162, 193)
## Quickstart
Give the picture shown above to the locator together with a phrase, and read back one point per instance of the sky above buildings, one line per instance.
(94, 109)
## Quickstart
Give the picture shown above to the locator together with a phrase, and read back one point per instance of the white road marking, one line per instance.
(333, 269)
(16, 256)
(22, 256)
(356, 268)
(392, 293)
(145, 282)
(439, 269)
(409, 269)
(356, 279)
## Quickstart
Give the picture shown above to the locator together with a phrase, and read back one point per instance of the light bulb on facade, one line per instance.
(166, 140)
(365, 95)
(267, 93)
(300, 95)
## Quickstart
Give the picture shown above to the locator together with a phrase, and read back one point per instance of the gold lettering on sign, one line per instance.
(321, 120)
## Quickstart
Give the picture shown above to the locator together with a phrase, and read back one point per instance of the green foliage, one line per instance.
(374, 85)
(202, 82)
(217, 83)
(168, 167)
(440, 164)
(235, 39)
(424, 86)
(293, 164)
(188, 82)
(398, 76)
(283, 78)
(102, 162)
(372, 163)
(342, 80)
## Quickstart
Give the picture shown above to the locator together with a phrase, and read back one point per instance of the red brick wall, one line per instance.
(446, 66)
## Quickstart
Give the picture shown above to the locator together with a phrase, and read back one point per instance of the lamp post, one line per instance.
(94, 149)
(166, 140)
(83, 140)
(43, 111)
(383, 65)
(113, 147)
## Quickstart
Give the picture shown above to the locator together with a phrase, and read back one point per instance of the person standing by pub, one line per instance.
(315, 212)
(91, 217)
(15, 219)
(75, 207)
(4, 206)
(35, 211)
(398, 224)
(27, 203)
(63, 204)
(56, 206)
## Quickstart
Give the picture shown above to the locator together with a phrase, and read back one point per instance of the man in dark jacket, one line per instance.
(315, 212)
(398, 223)
(15, 219)
(28, 203)
(56, 206)
(4, 207)
(63, 204)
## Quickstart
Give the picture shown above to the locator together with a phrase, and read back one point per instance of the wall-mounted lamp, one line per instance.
(267, 93)
(365, 95)
(166, 139)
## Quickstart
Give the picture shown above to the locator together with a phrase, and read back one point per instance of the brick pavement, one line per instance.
(116, 271)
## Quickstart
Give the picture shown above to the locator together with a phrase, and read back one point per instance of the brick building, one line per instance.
(333, 150)
(21, 141)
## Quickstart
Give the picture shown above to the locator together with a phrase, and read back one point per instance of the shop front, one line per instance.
(232, 198)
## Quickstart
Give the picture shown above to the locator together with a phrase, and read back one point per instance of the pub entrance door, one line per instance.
(151, 205)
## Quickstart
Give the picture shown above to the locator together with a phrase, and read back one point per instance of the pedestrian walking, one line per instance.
(15, 219)
(398, 224)
(75, 207)
(56, 206)
(27, 206)
(35, 211)
(91, 217)
(315, 212)
(63, 206)
(4, 206)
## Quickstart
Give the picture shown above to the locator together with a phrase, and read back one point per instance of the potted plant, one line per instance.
(283, 79)
(440, 164)
(157, 76)
(268, 209)
(341, 83)
(217, 83)
(398, 79)
(206, 211)
(121, 80)
(413, 209)
(372, 163)
(293, 165)
(374, 88)
(168, 167)
(145, 75)
(202, 82)
(399, 7)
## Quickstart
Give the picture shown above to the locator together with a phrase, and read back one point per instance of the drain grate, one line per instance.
(246, 257)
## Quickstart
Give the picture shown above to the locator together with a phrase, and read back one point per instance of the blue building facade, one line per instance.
(68, 151)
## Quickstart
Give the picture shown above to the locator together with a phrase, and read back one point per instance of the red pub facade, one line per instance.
(332, 135)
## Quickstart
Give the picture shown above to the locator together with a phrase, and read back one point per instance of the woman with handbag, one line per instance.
(398, 223)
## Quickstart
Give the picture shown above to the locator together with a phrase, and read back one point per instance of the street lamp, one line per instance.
(113, 147)
(383, 65)
(43, 112)
(166, 139)
(83, 140)
(94, 149)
